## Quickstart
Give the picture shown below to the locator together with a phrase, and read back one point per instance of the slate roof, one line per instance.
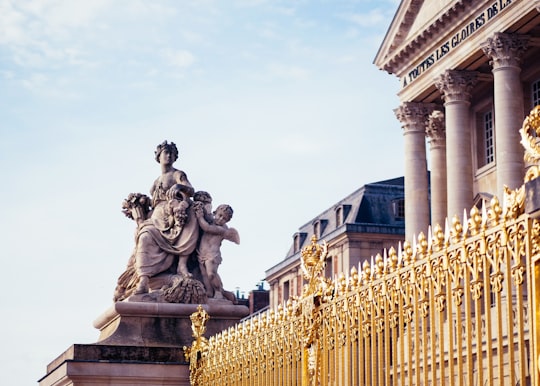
(368, 209)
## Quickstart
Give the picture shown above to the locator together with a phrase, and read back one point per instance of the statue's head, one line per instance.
(170, 147)
(202, 196)
(225, 211)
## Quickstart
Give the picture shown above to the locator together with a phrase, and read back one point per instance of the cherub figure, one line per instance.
(209, 247)
(204, 200)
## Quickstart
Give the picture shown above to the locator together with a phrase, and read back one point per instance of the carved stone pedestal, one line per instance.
(140, 343)
(162, 324)
(95, 364)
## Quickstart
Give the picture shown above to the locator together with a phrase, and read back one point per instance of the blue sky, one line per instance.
(275, 106)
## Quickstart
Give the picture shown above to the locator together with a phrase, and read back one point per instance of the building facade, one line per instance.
(469, 73)
(360, 226)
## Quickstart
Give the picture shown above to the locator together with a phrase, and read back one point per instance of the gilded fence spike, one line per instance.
(438, 238)
(280, 312)
(392, 260)
(484, 217)
(353, 279)
(422, 245)
(495, 211)
(290, 307)
(475, 221)
(407, 253)
(447, 232)
(360, 274)
(457, 229)
(342, 287)
(366, 272)
(379, 266)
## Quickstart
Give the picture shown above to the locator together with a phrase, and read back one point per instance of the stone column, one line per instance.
(413, 116)
(505, 51)
(455, 87)
(435, 131)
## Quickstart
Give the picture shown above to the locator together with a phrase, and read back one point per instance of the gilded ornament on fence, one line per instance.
(530, 134)
(316, 289)
(199, 348)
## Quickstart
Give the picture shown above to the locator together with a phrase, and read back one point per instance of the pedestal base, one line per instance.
(92, 364)
(140, 343)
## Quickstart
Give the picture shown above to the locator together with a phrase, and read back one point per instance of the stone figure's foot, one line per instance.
(184, 272)
(142, 287)
(218, 295)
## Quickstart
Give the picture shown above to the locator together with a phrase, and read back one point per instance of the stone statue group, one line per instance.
(177, 240)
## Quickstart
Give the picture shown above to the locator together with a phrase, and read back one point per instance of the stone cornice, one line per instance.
(399, 53)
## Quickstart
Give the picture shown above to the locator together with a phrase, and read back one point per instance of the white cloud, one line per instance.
(288, 71)
(299, 145)
(374, 17)
(11, 22)
(178, 58)
(35, 81)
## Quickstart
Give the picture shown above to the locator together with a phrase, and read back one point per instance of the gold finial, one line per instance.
(313, 262)
(198, 322)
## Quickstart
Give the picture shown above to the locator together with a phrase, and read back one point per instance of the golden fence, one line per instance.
(452, 308)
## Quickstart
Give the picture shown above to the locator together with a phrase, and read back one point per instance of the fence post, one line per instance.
(530, 132)
(199, 348)
(315, 291)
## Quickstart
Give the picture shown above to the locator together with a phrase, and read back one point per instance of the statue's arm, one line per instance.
(183, 182)
(207, 227)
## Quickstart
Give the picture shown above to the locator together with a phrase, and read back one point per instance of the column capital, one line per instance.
(436, 129)
(413, 115)
(456, 85)
(505, 49)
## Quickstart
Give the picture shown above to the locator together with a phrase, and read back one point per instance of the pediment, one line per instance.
(412, 21)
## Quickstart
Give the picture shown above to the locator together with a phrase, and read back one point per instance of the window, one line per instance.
(535, 93)
(319, 227)
(286, 291)
(398, 207)
(329, 268)
(299, 241)
(342, 211)
(339, 216)
(489, 148)
(485, 137)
